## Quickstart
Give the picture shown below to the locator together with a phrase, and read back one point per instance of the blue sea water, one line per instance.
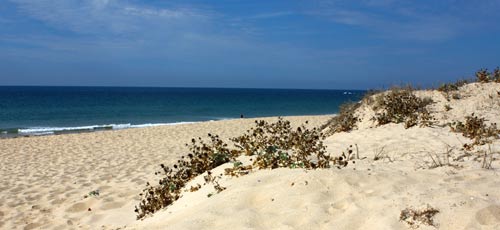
(49, 110)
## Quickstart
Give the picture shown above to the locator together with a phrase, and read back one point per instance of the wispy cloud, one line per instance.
(105, 16)
(406, 20)
(269, 15)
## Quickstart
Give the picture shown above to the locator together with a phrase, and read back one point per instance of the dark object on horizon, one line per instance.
(241, 115)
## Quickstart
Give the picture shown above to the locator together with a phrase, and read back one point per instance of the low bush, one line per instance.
(475, 128)
(449, 87)
(484, 76)
(345, 121)
(416, 217)
(203, 158)
(496, 75)
(278, 145)
(273, 145)
(402, 105)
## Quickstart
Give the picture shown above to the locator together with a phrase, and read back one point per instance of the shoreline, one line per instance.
(49, 131)
(93, 180)
(47, 179)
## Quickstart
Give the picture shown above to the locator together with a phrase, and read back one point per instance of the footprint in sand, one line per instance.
(489, 215)
(112, 205)
(79, 207)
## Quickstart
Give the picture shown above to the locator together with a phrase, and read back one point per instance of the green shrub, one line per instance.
(203, 158)
(278, 145)
(496, 75)
(345, 121)
(274, 145)
(484, 76)
(401, 105)
(475, 128)
(450, 87)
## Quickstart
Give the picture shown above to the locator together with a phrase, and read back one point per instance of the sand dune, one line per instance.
(46, 178)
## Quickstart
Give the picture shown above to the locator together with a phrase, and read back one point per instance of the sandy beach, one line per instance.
(45, 178)
(48, 181)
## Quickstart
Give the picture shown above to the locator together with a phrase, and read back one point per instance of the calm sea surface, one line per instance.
(49, 110)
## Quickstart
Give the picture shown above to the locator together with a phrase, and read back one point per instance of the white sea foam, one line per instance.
(55, 129)
(52, 130)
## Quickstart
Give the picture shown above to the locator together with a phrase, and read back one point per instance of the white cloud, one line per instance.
(272, 15)
(417, 21)
(105, 16)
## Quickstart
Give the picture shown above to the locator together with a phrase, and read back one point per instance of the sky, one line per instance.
(311, 44)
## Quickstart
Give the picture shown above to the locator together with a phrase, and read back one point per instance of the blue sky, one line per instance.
(332, 44)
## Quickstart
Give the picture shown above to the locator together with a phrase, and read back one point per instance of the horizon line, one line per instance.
(179, 87)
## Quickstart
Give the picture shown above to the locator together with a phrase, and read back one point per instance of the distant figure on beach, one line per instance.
(241, 115)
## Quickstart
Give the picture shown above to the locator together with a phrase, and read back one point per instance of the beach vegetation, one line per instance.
(381, 155)
(487, 159)
(271, 145)
(203, 157)
(345, 121)
(401, 105)
(475, 128)
(441, 160)
(496, 75)
(416, 217)
(449, 90)
(484, 76)
(277, 145)
(453, 86)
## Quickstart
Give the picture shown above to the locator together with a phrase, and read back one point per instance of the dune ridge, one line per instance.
(49, 182)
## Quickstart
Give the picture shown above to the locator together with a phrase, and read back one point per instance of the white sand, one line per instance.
(45, 178)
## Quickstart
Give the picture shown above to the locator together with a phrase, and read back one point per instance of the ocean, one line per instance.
(53, 110)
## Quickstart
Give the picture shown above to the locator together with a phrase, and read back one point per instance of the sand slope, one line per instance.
(368, 194)
(44, 179)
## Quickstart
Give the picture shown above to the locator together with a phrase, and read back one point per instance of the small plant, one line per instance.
(345, 157)
(482, 76)
(273, 145)
(92, 193)
(345, 121)
(451, 87)
(416, 217)
(496, 75)
(278, 145)
(447, 87)
(203, 158)
(401, 105)
(476, 129)
(487, 159)
(238, 170)
(210, 178)
(441, 161)
(380, 155)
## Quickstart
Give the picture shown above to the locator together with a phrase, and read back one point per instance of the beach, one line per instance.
(45, 178)
(93, 180)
